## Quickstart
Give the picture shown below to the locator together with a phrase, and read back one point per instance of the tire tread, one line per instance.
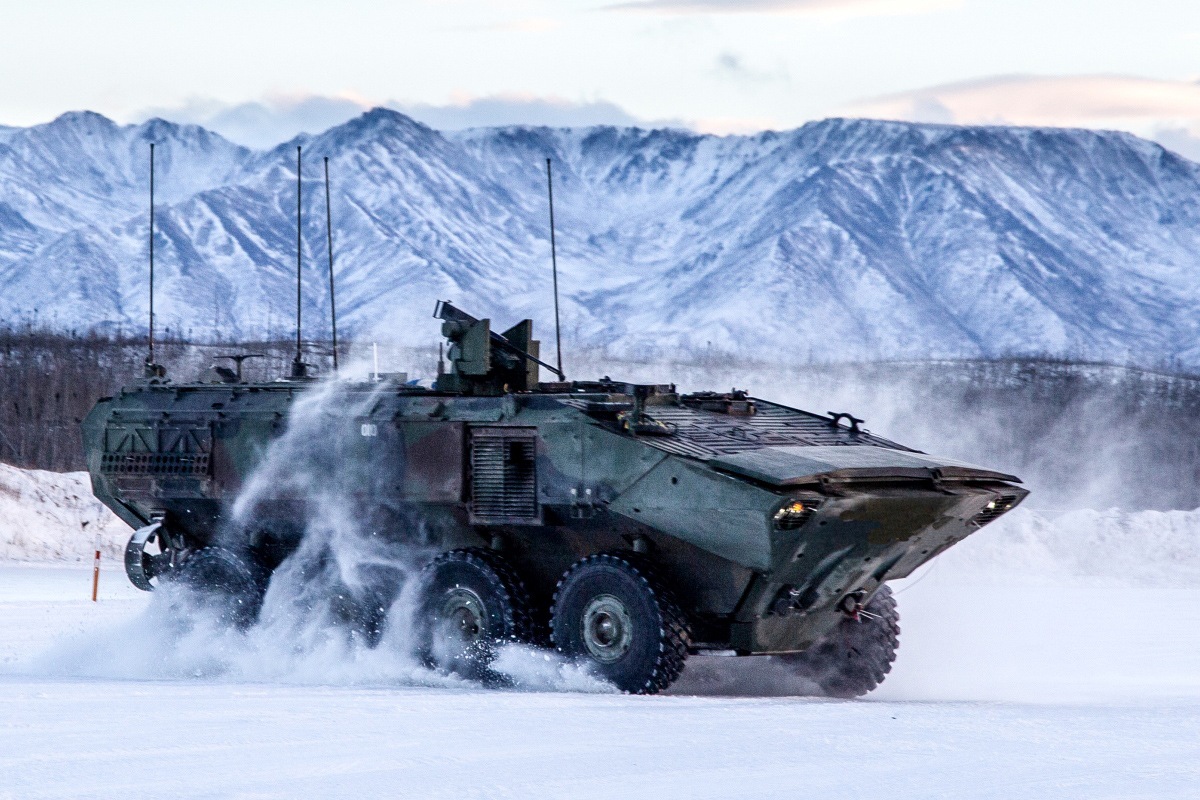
(518, 615)
(674, 632)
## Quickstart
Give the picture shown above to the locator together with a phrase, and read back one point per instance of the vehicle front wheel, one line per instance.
(612, 612)
(857, 655)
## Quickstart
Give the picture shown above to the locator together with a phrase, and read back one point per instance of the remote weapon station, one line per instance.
(629, 526)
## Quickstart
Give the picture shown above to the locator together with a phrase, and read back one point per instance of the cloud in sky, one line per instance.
(264, 123)
(1166, 111)
(848, 8)
(523, 25)
(520, 109)
(272, 120)
(731, 66)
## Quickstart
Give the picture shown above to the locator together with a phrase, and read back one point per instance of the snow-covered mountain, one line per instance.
(843, 239)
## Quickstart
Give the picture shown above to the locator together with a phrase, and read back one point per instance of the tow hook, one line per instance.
(852, 606)
(787, 600)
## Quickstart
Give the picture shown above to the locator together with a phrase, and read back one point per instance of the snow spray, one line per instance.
(307, 629)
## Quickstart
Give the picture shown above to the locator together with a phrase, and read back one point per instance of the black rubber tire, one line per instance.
(505, 612)
(653, 654)
(364, 606)
(232, 584)
(857, 655)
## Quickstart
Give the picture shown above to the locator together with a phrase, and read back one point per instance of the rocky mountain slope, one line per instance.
(843, 239)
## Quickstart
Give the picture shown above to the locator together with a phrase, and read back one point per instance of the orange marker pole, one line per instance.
(96, 571)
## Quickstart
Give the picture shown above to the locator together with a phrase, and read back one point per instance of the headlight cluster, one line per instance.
(793, 515)
(993, 509)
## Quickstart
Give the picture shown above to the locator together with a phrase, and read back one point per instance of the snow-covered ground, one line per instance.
(1042, 658)
(1000, 692)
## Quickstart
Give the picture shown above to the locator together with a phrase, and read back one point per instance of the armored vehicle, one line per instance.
(626, 525)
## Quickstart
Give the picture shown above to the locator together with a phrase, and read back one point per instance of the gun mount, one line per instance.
(483, 362)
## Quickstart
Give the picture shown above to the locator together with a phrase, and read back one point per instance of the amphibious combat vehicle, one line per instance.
(627, 525)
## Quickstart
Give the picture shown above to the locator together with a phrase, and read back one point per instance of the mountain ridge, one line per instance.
(841, 239)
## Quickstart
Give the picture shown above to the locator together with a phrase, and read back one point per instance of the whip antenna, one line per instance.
(329, 236)
(151, 357)
(554, 268)
(152, 370)
(298, 365)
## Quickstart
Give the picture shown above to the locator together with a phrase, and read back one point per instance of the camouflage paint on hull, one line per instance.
(764, 518)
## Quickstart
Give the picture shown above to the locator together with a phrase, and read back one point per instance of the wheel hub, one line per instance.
(463, 617)
(607, 628)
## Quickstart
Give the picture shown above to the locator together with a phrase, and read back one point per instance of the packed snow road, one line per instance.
(114, 739)
(1077, 689)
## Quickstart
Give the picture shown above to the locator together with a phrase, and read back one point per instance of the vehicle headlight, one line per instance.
(793, 515)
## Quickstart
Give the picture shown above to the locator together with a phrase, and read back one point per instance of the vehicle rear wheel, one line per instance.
(363, 604)
(471, 602)
(232, 584)
(614, 613)
(857, 655)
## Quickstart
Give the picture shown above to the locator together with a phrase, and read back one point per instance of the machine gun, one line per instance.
(485, 362)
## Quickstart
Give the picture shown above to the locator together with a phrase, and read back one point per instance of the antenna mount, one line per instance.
(238, 359)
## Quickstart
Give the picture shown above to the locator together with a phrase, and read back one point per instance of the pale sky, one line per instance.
(714, 65)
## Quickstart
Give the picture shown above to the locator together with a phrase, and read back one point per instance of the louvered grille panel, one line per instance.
(504, 475)
(155, 464)
(154, 448)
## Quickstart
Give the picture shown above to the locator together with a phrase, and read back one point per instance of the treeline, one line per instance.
(50, 381)
(1078, 433)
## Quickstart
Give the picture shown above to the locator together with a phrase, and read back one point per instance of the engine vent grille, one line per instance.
(995, 509)
(155, 464)
(504, 476)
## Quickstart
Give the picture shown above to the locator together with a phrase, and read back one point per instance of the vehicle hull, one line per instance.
(551, 476)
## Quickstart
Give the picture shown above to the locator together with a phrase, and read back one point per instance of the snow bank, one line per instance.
(52, 516)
